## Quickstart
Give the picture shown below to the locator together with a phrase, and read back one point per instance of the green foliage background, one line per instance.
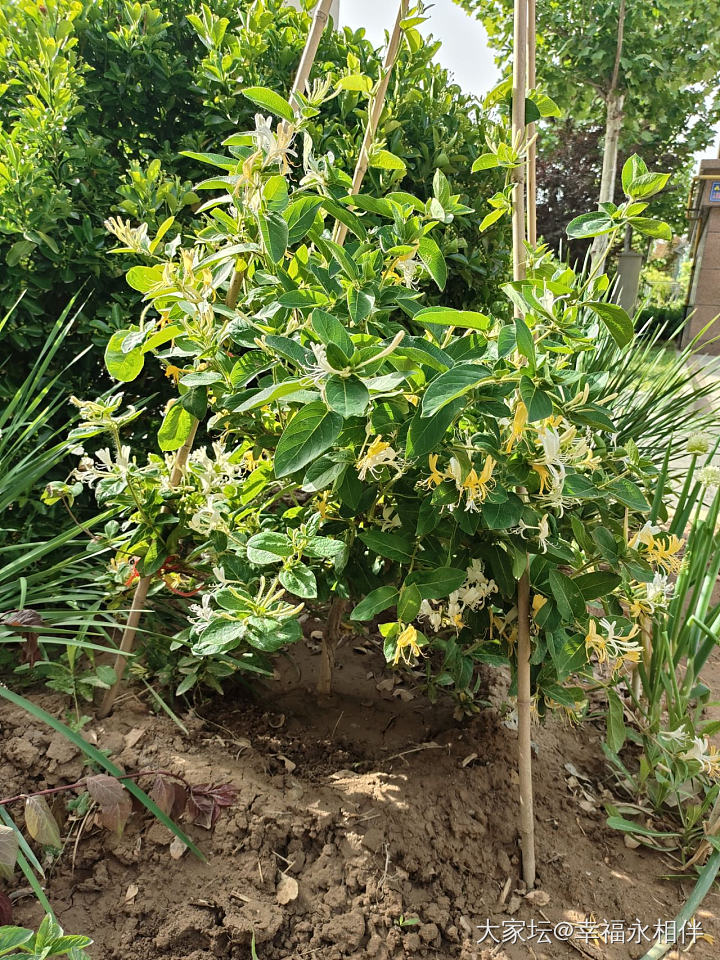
(98, 99)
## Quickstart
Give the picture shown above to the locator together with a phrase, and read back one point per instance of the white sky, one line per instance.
(464, 41)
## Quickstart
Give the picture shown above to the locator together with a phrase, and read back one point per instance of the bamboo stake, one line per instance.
(532, 149)
(141, 590)
(527, 819)
(375, 112)
(322, 12)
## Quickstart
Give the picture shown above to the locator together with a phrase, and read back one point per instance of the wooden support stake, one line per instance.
(532, 148)
(527, 817)
(375, 112)
(322, 12)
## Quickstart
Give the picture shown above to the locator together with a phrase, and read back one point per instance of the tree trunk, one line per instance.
(331, 635)
(613, 126)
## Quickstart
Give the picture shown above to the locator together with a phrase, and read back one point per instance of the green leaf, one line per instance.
(175, 428)
(347, 396)
(274, 233)
(437, 583)
(490, 218)
(567, 595)
(615, 319)
(360, 304)
(276, 391)
(589, 225)
(431, 255)
(270, 635)
(525, 342)
(452, 384)
(269, 100)
(330, 330)
(539, 404)
(629, 494)
(633, 168)
(384, 160)
(425, 433)
(357, 82)
(275, 193)
(388, 544)
(268, 547)
(504, 515)
(144, 278)
(598, 584)
(309, 433)
(123, 366)
(408, 605)
(652, 228)
(647, 185)
(485, 162)
(616, 732)
(219, 637)
(628, 826)
(300, 581)
(13, 937)
(321, 474)
(375, 602)
(447, 317)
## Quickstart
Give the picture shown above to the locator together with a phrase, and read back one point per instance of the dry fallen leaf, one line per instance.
(630, 842)
(538, 898)
(131, 892)
(289, 765)
(177, 848)
(287, 889)
(469, 759)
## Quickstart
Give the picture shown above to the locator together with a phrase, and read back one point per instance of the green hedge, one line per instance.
(98, 99)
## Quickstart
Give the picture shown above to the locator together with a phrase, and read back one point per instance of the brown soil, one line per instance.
(378, 804)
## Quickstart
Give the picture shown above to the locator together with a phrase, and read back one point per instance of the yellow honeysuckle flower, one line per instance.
(537, 604)
(407, 646)
(476, 487)
(518, 425)
(544, 474)
(665, 554)
(322, 504)
(435, 478)
(172, 372)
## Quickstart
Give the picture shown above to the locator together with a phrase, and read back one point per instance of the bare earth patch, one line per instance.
(351, 814)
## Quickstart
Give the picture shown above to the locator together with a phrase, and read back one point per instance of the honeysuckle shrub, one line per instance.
(355, 443)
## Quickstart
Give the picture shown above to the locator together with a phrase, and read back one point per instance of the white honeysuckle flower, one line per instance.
(645, 535)
(429, 613)
(678, 735)
(390, 519)
(208, 518)
(707, 756)
(201, 614)
(378, 454)
(659, 590)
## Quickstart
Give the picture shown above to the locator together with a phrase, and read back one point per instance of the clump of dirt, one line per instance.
(371, 825)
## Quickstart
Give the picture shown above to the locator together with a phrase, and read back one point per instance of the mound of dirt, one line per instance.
(371, 825)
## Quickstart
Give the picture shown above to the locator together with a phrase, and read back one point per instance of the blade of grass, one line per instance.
(704, 882)
(99, 758)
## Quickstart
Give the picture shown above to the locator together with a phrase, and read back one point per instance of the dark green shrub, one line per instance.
(98, 99)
